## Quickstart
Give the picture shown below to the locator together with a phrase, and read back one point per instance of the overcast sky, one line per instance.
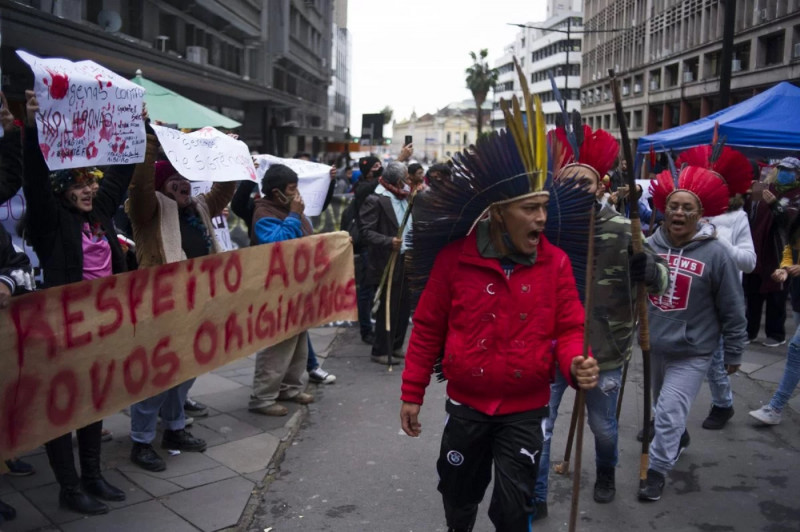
(411, 54)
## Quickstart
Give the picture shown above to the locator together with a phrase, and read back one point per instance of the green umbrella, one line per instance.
(170, 107)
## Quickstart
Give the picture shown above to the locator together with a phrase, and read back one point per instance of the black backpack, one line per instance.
(350, 223)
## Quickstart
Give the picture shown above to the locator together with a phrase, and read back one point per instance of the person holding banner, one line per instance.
(16, 277)
(169, 225)
(73, 235)
(280, 369)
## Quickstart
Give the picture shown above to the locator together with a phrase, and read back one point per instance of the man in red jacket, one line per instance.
(500, 306)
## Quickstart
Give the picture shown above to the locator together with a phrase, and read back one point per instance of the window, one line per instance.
(671, 75)
(655, 80)
(637, 119)
(448, 139)
(771, 49)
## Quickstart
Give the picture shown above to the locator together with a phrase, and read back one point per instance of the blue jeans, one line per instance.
(718, 380)
(313, 363)
(791, 374)
(144, 414)
(601, 405)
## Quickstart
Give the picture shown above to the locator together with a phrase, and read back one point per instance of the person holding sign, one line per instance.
(280, 369)
(73, 235)
(169, 225)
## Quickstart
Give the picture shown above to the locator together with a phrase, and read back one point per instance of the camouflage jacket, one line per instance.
(613, 313)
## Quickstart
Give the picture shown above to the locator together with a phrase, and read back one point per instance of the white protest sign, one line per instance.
(88, 115)
(219, 222)
(207, 155)
(314, 180)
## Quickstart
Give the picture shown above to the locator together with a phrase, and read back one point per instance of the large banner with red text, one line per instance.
(74, 354)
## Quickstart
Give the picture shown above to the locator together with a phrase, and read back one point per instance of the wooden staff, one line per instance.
(580, 396)
(562, 468)
(641, 302)
(386, 280)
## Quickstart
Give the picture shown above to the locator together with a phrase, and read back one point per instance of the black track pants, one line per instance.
(469, 447)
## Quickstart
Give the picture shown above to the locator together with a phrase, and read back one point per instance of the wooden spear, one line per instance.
(581, 395)
(641, 302)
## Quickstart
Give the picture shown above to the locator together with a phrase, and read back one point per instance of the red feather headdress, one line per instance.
(706, 185)
(730, 164)
(598, 150)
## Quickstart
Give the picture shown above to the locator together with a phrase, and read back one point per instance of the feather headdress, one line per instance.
(706, 185)
(598, 150)
(713, 173)
(499, 168)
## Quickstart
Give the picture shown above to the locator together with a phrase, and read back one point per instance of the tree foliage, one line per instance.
(480, 80)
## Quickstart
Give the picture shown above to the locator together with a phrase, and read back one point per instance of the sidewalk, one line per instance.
(198, 491)
(210, 491)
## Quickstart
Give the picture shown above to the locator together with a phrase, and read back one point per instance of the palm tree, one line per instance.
(480, 79)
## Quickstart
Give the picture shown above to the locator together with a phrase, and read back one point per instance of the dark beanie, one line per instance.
(163, 171)
(365, 164)
(277, 176)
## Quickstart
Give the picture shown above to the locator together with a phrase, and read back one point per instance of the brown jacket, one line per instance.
(154, 216)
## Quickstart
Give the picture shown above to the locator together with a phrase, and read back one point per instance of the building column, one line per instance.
(705, 107)
(685, 113)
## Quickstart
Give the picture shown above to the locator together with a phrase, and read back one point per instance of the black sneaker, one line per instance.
(604, 488)
(718, 417)
(7, 513)
(368, 338)
(640, 434)
(195, 409)
(181, 440)
(143, 455)
(18, 468)
(653, 486)
(685, 441)
(541, 510)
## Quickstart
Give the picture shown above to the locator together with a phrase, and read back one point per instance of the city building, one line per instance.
(544, 48)
(341, 59)
(437, 136)
(667, 55)
(265, 63)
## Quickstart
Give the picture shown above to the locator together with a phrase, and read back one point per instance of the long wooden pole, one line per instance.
(641, 302)
(581, 395)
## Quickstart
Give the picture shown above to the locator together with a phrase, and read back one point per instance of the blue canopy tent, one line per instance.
(766, 124)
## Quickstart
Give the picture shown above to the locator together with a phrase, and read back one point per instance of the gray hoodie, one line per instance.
(704, 299)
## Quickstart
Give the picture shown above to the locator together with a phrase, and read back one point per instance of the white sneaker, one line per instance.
(767, 415)
(320, 376)
(771, 342)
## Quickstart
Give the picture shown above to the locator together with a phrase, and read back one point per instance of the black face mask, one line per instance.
(377, 173)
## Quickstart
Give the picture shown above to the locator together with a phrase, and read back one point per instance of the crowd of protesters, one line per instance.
(90, 223)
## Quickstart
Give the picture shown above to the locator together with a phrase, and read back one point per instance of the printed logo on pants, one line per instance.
(455, 458)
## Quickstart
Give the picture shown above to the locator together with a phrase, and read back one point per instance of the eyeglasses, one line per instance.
(674, 209)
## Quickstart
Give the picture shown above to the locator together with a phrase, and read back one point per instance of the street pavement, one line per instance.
(350, 468)
(343, 464)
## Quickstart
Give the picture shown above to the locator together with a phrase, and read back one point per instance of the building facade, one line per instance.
(265, 63)
(545, 48)
(667, 55)
(341, 59)
(437, 136)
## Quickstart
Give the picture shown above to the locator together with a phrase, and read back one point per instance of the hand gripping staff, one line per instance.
(641, 302)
